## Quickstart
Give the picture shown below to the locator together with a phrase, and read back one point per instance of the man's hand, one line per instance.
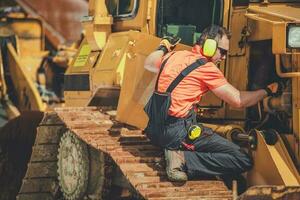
(274, 89)
(168, 43)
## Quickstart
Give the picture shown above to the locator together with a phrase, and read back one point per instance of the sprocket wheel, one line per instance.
(73, 166)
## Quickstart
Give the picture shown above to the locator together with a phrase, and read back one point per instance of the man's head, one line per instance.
(214, 41)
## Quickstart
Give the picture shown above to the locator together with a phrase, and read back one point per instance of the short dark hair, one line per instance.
(220, 32)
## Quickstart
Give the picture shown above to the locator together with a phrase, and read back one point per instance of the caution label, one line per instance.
(82, 56)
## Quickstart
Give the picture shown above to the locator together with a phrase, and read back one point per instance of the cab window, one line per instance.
(122, 8)
(187, 18)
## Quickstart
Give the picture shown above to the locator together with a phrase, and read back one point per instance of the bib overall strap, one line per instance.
(161, 69)
(185, 72)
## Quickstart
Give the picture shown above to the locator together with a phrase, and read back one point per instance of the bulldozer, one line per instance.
(35, 54)
(31, 80)
(95, 148)
(28, 70)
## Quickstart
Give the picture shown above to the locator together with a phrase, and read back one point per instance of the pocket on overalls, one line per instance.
(174, 134)
(207, 131)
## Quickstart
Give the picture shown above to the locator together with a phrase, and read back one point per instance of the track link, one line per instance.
(141, 163)
(40, 181)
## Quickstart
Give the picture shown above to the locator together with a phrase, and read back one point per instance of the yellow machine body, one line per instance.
(26, 72)
(108, 79)
(116, 63)
(23, 61)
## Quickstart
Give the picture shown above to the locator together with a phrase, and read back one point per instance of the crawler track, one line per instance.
(40, 181)
(141, 163)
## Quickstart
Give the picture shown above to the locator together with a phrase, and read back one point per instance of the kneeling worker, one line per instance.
(184, 76)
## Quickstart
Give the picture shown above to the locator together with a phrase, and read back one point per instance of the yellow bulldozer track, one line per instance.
(141, 163)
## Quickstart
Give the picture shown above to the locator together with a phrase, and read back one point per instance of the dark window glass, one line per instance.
(122, 8)
(188, 18)
(125, 6)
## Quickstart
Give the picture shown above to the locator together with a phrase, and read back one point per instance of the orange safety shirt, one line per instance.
(190, 90)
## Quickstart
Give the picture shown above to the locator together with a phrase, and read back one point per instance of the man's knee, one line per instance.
(246, 162)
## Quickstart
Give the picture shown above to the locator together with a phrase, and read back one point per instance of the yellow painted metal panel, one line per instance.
(272, 165)
(285, 11)
(29, 33)
(77, 98)
(227, 12)
(109, 68)
(33, 62)
(120, 70)
(296, 116)
(81, 63)
(83, 55)
(140, 83)
(27, 93)
(3, 85)
(259, 30)
(297, 138)
(239, 22)
(279, 41)
(134, 93)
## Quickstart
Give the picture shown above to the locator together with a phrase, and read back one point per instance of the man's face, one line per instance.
(223, 47)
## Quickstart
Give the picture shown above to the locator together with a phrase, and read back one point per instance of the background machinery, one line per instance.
(31, 81)
(94, 146)
(35, 54)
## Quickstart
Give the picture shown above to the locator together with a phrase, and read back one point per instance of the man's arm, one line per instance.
(239, 99)
(152, 60)
(166, 45)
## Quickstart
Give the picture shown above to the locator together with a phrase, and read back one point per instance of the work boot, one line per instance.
(175, 164)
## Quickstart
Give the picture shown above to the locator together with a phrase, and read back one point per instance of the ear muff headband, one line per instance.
(210, 44)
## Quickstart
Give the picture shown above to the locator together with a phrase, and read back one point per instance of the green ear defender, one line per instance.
(209, 47)
(210, 44)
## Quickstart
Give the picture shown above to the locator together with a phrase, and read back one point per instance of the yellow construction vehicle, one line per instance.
(27, 30)
(27, 73)
(95, 144)
(21, 45)
(22, 58)
(27, 69)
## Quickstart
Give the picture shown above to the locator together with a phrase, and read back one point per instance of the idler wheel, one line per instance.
(81, 169)
(73, 166)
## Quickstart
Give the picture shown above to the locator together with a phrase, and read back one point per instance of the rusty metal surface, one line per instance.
(271, 192)
(141, 163)
(61, 17)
